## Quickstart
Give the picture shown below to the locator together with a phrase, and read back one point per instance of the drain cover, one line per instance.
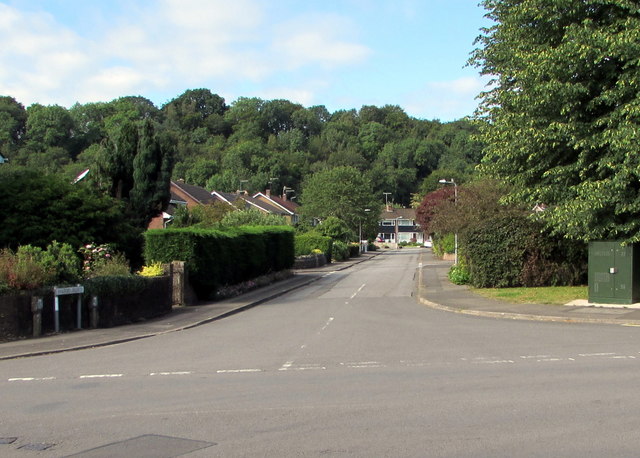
(147, 446)
(8, 440)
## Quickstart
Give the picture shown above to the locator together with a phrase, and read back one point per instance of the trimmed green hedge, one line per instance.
(215, 258)
(340, 251)
(307, 242)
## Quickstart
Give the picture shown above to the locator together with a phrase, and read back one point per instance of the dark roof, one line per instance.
(196, 192)
(393, 213)
(288, 204)
(273, 209)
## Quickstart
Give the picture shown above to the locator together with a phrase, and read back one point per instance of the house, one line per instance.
(182, 194)
(288, 207)
(397, 225)
(250, 203)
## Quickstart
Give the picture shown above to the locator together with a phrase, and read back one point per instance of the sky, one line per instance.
(339, 53)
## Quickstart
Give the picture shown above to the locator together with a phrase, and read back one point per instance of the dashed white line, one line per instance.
(595, 354)
(286, 366)
(359, 289)
(327, 324)
(101, 376)
(237, 371)
(171, 373)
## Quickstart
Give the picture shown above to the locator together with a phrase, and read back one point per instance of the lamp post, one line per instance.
(360, 230)
(455, 202)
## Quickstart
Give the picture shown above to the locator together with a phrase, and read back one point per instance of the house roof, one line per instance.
(197, 193)
(286, 205)
(393, 213)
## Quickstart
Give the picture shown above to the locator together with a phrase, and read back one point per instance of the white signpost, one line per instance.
(79, 290)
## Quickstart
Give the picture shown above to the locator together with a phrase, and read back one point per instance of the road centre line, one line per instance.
(359, 289)
(171, 373)
(237, 371)
(101, 376)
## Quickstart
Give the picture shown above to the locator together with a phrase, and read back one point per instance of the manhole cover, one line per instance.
(8, 440)
(147, 446)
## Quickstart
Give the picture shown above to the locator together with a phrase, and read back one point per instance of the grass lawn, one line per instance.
(554, 295)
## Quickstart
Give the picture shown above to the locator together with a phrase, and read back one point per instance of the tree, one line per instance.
(13, 125)
(51, 208)
(343, 192)
(152, 167)
(561, 120)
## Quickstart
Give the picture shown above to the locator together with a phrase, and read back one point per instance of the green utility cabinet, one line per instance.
(614, 273)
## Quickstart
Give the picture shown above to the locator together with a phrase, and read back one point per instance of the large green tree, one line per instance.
(343, 192)
(562, 117)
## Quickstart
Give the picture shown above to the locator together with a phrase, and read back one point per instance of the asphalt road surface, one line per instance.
(351, 365)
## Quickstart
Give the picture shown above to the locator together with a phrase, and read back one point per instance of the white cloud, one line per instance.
(318, 39)
(170, 45)
(446, 100)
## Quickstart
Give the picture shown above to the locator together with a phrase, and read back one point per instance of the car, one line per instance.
(428, 243)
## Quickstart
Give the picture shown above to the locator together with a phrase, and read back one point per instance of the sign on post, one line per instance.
(79, 290)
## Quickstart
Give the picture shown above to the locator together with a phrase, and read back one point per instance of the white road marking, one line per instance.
(171, 373)
(101, 376)
(359, 289)
(29, 379)
(286, 366)
(237, 371)
(327, 324)
(596, 354)
(495, 361)
(535, 356)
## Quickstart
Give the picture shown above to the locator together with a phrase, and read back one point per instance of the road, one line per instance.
(351, 365)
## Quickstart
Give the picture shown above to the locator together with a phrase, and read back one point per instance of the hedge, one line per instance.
(306, 243)
(512, 250)
(216, 258)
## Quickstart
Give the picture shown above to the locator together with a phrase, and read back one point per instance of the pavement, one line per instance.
(433, 287)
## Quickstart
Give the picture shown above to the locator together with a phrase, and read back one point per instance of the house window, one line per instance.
(388, 222)
(405, 222)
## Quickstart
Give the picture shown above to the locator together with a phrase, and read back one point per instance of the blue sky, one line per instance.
(339, 53)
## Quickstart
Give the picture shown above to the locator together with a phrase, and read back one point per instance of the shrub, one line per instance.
(444, 244)
(513, 250)
(354, 249)
(340, 251)
(216, 258)
(306, 243)
(154, 270)
(336, 228)
(24, 270)
(459, 274)
(115, 266)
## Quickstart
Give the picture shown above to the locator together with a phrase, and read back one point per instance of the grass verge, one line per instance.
(553, 295)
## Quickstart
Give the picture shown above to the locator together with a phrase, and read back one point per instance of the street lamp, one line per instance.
(360, 231)
(455, 202)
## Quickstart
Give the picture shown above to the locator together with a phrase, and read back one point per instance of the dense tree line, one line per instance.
(563, 117)
(250, 144)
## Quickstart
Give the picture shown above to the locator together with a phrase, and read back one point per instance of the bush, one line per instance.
(513, 250)
(306, 243)
(340, 251)
(458, 275)
(336, 228)
(116, 266)
(354, 250)
(444, 244)
(154, 270)
(114, 285)
(24, 270)
(215, 258)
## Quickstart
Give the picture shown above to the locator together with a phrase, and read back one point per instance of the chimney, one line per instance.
(268, 192)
